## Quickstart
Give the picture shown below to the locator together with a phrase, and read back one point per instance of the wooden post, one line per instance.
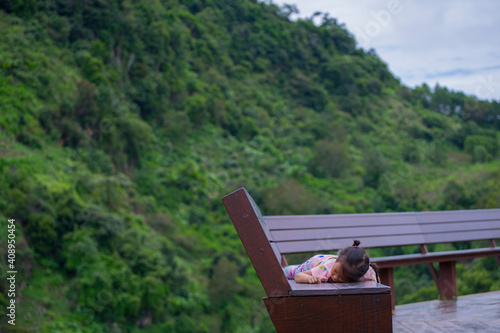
(447, 280)
(387, 278)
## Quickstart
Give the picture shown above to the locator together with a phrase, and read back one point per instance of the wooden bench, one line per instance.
(326, 307)
(295, 234)
(364, 306)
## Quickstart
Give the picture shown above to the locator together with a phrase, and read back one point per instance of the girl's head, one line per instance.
(352, 263)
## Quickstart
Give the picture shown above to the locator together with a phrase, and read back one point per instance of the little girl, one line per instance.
(350, 265)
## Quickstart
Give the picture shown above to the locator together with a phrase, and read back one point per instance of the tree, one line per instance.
(292, 198)
(374, 164)
(331, 158)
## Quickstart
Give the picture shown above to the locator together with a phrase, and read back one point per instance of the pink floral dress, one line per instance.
(321, 265)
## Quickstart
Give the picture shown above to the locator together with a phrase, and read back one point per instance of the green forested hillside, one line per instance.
(123, 123)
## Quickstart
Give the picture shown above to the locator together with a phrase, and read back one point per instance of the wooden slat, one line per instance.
(339, 243)
(247, 221)
(359, 220)
(340, 220)
(460, 226)
(344, 232)
(313, 246)
(458, 216)
(463, 236)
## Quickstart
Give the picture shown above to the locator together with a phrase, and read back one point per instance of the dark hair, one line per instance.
(375, 269)
(355, 262)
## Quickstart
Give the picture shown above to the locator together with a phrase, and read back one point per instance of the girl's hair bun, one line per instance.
(356, 242)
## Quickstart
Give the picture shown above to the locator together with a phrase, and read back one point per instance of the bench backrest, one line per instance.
(316, 233)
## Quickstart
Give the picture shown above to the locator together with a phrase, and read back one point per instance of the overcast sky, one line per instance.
(455, 43)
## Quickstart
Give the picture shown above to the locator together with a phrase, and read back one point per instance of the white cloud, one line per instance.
(453, 43)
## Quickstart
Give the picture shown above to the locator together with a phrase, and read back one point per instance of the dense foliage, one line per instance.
(123, 123)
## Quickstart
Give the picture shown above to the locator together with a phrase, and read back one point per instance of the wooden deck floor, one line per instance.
(472, 313)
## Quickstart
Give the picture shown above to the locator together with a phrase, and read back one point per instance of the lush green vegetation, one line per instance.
(123, 123)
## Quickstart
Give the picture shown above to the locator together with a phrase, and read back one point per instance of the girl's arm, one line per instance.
(307, 277)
